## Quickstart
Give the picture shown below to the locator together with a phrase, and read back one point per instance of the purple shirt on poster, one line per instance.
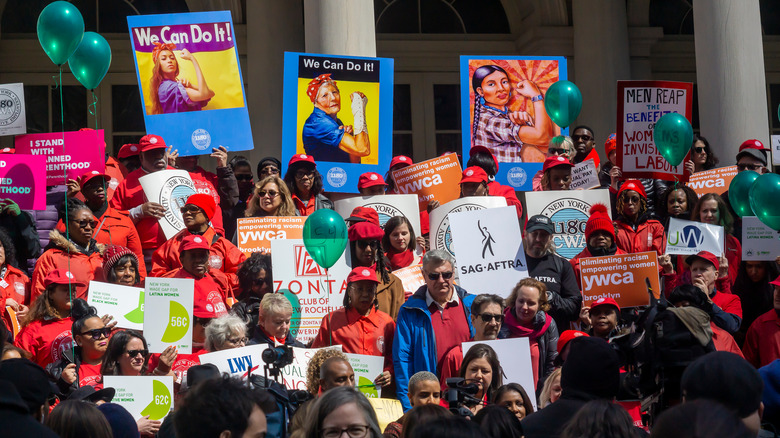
(174, 98)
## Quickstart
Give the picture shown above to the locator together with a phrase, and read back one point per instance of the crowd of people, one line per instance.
(56, 348)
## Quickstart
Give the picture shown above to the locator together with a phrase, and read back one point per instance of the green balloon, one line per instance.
(673, 137)
(563, 102)
(764, 195)
(739, 192)
(60, 30)
(90, 62)
(325, 237)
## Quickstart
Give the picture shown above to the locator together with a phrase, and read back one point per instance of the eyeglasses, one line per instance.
(354, 431)
(434, 276)
(632, 199)
(556, 151)
(86, 223)
(271, 193)
(190, 209)
(134, 353)
(244, 177)
(488, 317)
(755, 167)
(270, 171)
(301, 174)
(585, 138)
(97, 333)
(362, 244)
(699, 150)
(237, 340)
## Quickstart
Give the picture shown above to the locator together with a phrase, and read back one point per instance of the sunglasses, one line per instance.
(488, 317)
(86, 223)
(633, 199)
(556, 151)
(581, 137)
(699, 150)
(244, 177)
(301, 174)
(97, 333)
(743, 167)
(362, 244)
(434, 276)
(271, 193)
(134, 353)
(270, 171)
(191, 209)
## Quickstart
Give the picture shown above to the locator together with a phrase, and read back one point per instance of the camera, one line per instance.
(278, 357)
(460, 394)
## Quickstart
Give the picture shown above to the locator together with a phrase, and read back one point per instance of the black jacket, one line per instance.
(15, 417)
(260, 338)
(55, 370)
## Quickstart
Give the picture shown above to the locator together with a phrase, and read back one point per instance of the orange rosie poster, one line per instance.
(436, 179)
(256, 233)
(620, 277)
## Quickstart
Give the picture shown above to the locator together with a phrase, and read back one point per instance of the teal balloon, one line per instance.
(60, 30)
(764, 196)
(563, 102)
(739, 192)
(673, 137)
(90, 62)
(325, 237)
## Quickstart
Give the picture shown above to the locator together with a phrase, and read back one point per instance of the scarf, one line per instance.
(517, 330)
(601, 251)
(399, 260)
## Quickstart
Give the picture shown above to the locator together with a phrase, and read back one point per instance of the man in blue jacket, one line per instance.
(434, 320)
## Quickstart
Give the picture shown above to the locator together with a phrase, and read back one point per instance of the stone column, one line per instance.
(601, 58)
(730, 74)
(340, 27)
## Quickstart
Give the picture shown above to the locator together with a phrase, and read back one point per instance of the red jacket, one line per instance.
(15, 285)
(46, 340)
(724, 299)
(224, 257)
(648, 236)
(117, 171)
(762, 342)
(212, 288)
(496, 189)
(65, 256)
(724, 341)
(595, 156)
(575, 262)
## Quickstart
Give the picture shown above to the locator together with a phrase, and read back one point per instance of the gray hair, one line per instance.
(221, 328)
(334, 399)
(275, 303)
(482, 299)
(419, 377)
(437, 257)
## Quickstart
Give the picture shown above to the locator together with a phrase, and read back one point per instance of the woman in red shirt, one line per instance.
(711, 209)
(305, 184)
(359, 327)
(14, 284)
(636, 232)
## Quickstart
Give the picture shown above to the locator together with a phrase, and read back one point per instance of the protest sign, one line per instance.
(488, 118)
(201, 105)
(23, 180)
(346, 143)
(238, 362)
(569, 212)
(169, 188)
(256, 233)
(312, 291)
(386, 206)
(411, 277)
(640, 105)
(142, 395)
(620, 277)
(437, 179)
(712, 181)
(759, 242)
(124, 303)
(13, 119)
(366, 368)
(294, 375)
(585, 176)
(515, 354)
(490, 255)
(690, 237)
(441, 235)
(387, 410)
(776, 150)
(14, 321)
(168, 313)
(68, 154)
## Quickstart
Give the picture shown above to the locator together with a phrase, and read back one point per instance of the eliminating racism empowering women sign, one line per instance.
(436, 179)
(441, 233)
(622, 277)
(168, 313)
(23, 180)
(190, 80)
(345, 143)
(143, 395)
(502, 109)
(13, 119)
(386, 206)
(169, 188)
(712, 181)
(490, 250)
(256, 233)
(640, 105)
(68, 155)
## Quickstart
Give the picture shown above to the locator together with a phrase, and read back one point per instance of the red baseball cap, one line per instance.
(752, 144)
(362, 273)
(706, 256)
(402, 160)
(128, 150)
(604, 302)
(364, 214)
(473, 174)
(193, 241)
(204, 202)
(85, 178)
(370, 179)
(7, 151)
(365, 231)
(477, 149)
(567, 336)
(754, 148)
(150, 142)
(776, 282)
(297, 158)
(635, 185)
(204, 309)
(555, 161)
(61, 276)
(611, 144)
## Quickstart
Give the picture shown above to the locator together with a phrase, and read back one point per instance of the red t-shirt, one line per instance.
(90, 375)
(212, 289)
(449, 327)
(46, 340)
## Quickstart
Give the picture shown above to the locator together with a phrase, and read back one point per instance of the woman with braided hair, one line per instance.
(171, 94)
(496, 126)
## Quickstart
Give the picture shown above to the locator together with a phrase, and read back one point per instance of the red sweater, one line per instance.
(762, 342)
(15, 285)
(648, 236)
(46, 340)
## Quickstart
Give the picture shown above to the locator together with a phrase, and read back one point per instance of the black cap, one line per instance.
(539, 222)
(30, 381)
(88, 393)
(197, 374)
(268, 160)
(725, 378)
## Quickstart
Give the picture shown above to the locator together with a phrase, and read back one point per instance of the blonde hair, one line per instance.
(544, 305)
(544, 397)
(286, 208)
(274, 304)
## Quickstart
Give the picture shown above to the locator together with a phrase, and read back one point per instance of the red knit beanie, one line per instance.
(112, 254)
(204, 202)
(599, 221)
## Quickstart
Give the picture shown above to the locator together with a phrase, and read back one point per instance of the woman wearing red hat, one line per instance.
(305, 185)
(120, 266)
(398, 162)
(636, 232)
(359, 327)
(556, 173)
(602, 317)
(711, 209)
(600, 238)
(560, 145)
(365, 246)
(481, 157)
(171, 94)
(197, 214)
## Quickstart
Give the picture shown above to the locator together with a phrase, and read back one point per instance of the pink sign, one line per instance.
(21, 180)
(74, 153)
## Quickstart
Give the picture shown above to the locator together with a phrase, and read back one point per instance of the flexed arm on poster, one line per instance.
(541, 130)
(355, 140)
(202, 91)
